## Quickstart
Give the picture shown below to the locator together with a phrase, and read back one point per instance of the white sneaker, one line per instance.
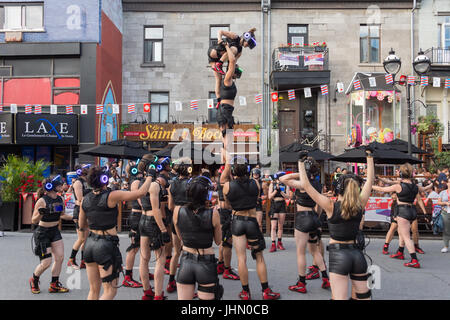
(444, 250)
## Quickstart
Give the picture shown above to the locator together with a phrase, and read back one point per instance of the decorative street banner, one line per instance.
(288, 59)
(6, 128)
(313, 59)
(46, 129)
(378, 209)
(69, 202)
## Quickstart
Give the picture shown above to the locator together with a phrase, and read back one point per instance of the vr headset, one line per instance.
(244, 162)
(80, 171)
(204, 181)
(55, 182)
(250, 39)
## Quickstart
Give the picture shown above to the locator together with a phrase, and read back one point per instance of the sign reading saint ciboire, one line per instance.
(47, 129)
(6, 128)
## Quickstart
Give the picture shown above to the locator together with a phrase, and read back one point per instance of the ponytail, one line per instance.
(40, 193)
(252, 30)
(351, 203)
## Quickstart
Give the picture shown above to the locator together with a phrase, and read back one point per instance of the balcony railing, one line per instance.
(300, 59)
(438, 56)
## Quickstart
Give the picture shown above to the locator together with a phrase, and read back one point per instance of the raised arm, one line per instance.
(389, 182)
(228, 80)
(426, 189)
(367, 189)
(117, 196)
(319, 199)
(291, 180)
(227, 34)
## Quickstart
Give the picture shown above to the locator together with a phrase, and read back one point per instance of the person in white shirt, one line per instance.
(444, 201)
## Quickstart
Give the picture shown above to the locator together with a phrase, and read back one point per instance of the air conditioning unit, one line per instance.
(13, 36)
(5, 71)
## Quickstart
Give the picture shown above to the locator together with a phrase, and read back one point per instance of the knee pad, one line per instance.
(365, 295)
(45, 256)
(226, 244)
(116, 263)
(260, 243)
(313, 237)
(359, 278)
(217, 289)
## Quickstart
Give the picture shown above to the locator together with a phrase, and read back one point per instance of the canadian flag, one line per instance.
(84, 109)
(146, 107)
(274, 96)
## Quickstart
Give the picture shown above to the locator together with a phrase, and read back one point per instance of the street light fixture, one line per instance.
(421, 66)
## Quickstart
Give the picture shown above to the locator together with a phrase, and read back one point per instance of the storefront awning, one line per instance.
(363, 77)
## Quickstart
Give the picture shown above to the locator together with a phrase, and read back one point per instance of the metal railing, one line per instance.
(438, 56)
(300, 59)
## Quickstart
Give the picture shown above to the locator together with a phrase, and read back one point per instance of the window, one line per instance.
(22, 17)
(369, 43)
(432, 110)
(213, 31)
(298, 34)
(153, 44)
(159, 112)
(212, 113)
(446, 35)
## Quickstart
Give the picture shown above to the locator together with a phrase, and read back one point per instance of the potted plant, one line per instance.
(18, 175)
(429, 125)
(319, 47)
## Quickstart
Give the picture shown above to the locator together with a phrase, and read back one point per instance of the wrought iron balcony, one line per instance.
(440, 62)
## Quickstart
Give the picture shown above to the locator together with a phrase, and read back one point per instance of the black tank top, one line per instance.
(99, 215)
(56, 207)
(227, 93)
(278, 194)
(235, 43)
(196, 229)
(85, 187)
(135, 204)
(178, 191)
(220, 192)
(408, 193)
(147, 204)
(243, 195)
(303, 199)
(343, 230)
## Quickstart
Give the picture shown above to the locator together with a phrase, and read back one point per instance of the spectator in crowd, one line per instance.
(115, 180)
(444, 202)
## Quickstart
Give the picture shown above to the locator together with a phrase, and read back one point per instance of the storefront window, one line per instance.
(66, 97)
(61, 162)
(27, 91)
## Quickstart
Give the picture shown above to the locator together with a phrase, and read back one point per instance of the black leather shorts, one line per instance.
(306, 221)
(201, 269)
(76, 213)
(104, 250)
(259, 205)
(277, 207)
(44, 237)
(225, 222)
(134, 234)
(209, 54)
(346, 260)
(225, 115)
(248, 226)
(149, 228)
(407, 212)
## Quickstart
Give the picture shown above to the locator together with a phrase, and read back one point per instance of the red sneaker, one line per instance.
(280, 246)
(385, 249)
(298, 287)
(82, 265)
(412, 264)
(34, 286)
(398, 256)
(56, 287)
(419, 250)
(273, 248)
(230, 274)
(131, 283)
(167, 266)
(151, 276)
(325, 283)
(245, 295)
(218, 68)
(268, 294)
(148, 294)
(313, 273)
(161, 297)
(171, 286)
(220, 268)
(72, 263)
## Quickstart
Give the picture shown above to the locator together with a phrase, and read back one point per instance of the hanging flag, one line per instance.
(258, 98)
(436, 82)
(411, 80)
(178, 106)
(13, 108)
(423, 81)
(242, 101)
(210, 103)
(389, 78)
(324, 89)
(1, 108)
(291, 94)
(372, 81)
(308, 92)
(84, 109)
(194, 104)
(37, 109)
(147, 107)
(274, 96)
(69, 110)
(356, 85)
(340, 87)
(116, 109)
(131, 108)
(53, 109)
(447, 83)
(99, 109)
(28, 108)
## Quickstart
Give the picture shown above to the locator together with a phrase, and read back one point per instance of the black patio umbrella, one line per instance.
(381, 156)
(402, 146)
(315, 153)
(295, 147)
(123, 149)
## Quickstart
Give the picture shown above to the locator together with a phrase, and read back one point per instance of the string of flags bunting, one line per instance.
(423, 81)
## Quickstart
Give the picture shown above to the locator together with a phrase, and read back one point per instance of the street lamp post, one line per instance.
(421, 66)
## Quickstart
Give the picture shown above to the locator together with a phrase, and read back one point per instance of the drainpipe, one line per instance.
(413, 91)
(263, 141)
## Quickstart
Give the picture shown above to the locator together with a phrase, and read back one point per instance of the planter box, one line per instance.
(9, 216)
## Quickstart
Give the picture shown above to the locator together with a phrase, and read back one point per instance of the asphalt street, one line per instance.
(394, 281)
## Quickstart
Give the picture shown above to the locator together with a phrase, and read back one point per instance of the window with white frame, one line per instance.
(159, 111)
(214, 30)
(369, 43)
(22, 17)
(445, 35)
(153, 44)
